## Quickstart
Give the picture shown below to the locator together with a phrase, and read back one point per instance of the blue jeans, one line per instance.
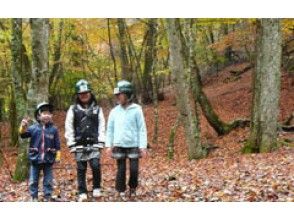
(47, 180)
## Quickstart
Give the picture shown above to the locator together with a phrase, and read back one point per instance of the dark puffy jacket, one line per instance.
(86, 125)
(43, 144)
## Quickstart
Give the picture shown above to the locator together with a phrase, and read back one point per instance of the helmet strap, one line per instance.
(131, 98)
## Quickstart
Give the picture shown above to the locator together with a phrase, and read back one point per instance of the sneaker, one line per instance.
(34, 199)
(83, 197)
(121, 196)
(47, 199)
(97, 193)
(132, 192)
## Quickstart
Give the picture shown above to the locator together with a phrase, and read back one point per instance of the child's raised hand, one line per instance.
(25, 122)
(23, 125)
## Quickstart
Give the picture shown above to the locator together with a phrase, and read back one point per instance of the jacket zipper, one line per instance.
(43, 144)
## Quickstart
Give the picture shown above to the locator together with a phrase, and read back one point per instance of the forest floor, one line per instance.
(225, 175)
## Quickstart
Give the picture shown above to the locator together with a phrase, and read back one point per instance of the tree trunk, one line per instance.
(155, 103)
(57, 62)
(218, 125)
(171, 141)
(195, 150)
(266, 87)
(228, 51)
(17, 101)
(155, 96)
(1, 108)
(137, 76)
(39, 85)
(21, 170)
(125, 66)
(150, 53)
(38, 90)
(112, 51)
(26, 71)
(13, 119)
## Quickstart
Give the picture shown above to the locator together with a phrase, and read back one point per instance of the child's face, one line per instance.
(85, 97)
(45, 117)
(122, 98)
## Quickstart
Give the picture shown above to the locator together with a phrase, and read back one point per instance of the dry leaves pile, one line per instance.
(225, 175)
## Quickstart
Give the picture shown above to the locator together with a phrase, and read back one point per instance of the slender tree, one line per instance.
(150, 53)
(171, 141)
(17, 102)
(111, 50)
(122, 36)
(154, 90)
(57, 60)
(1, 106)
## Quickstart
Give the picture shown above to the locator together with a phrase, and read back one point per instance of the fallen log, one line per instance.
(240, 72)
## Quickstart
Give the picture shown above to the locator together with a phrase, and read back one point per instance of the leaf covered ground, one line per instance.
(226, 175)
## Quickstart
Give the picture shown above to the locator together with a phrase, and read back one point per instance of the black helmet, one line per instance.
(43, 106)
(83, 86)
(125, 87)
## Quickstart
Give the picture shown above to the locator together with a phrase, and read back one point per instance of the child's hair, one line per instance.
(92, 99)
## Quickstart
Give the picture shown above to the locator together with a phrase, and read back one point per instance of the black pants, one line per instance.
(82, 169)
(120, 184)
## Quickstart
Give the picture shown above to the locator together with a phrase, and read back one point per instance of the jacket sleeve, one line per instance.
(110, 130)
(56, 140)
(69, 128)
(101, 129)
(27, 133)
(142, 131)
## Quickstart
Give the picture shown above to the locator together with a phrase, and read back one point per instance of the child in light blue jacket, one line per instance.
(126, 136)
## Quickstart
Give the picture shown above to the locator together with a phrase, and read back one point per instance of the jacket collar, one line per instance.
(80, 107)
(132, 105)
(50, 124)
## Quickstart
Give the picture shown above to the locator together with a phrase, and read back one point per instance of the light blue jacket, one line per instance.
(126, 127)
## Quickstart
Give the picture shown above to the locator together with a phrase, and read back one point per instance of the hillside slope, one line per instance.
(226, 175)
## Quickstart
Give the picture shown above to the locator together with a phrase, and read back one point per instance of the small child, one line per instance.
(126, 136)
(44, 149)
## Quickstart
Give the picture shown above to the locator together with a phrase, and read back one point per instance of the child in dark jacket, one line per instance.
(44, 149)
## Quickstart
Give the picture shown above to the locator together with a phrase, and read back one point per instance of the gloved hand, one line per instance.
(24, 125)
(58, 156)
